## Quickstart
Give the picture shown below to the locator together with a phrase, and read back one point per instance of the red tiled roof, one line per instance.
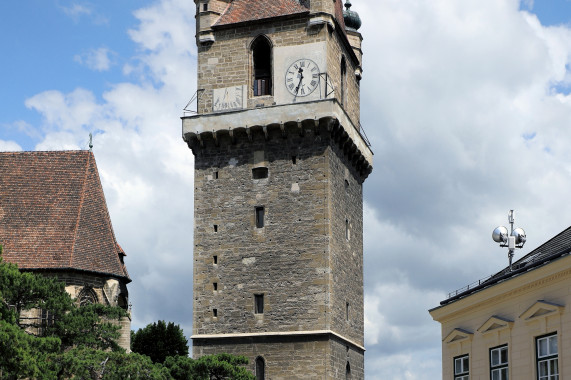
(53, 213)
(250, 10)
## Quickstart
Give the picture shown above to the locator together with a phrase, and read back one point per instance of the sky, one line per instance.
(467, 105)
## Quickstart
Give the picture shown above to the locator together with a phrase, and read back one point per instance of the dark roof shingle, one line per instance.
(53, 213)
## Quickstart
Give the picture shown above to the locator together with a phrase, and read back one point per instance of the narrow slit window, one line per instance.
(214, 259)
(260, 217)
(347, 310)
(260, 368)
(216, 228)
(259, 173)
(259, 304)
(215, 313)
(216, 174)
(215, 286)
(294, 160)
(343, 81)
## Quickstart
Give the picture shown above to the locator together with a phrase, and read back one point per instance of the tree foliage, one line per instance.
(81, 341)
(160, 340)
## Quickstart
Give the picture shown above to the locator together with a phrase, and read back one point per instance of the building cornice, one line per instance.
(277, 334)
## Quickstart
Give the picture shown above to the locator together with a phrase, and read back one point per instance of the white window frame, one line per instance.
(462, 367)
(499, 366)
(547, 354)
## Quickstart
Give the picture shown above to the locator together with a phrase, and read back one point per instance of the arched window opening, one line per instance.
(348, 371)
(260, 368)
(262, 59)
(87, 296)
(343, 81)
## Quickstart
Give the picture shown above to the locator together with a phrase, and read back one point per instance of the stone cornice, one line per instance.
(277, 333)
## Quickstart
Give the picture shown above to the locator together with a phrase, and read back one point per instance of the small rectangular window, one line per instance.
(259, 217)
(216, 174)
(215, 313)
(462, 368)
(347, 310)
(547, 358)
(259, 173)
(205, 7)
(214, 259)
(294, 160)
(215, 286)
(216, 228)
(499, 363)
(258, 303)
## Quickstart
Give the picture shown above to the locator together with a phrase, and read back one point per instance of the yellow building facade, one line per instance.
(515, 324)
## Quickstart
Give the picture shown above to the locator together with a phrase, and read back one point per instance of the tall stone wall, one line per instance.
(287, 260)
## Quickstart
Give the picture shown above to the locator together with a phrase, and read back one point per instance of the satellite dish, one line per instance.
(500, 234)
(519, 235)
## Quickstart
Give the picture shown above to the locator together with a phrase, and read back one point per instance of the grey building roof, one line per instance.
(553, 249)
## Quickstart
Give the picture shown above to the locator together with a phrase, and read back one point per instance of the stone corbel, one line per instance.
(249, 133)
(316, 121)
(199, 138)
(282, 127)
(300, 127)
(231, 133)
(265, 129)
(215, 137)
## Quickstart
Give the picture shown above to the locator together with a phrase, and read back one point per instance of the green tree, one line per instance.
(209, 367)
(36, 356)
(160, 340)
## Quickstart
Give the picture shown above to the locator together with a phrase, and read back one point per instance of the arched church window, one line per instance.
(343, 81)
(87, 296)
(262, 70)
(260, 368)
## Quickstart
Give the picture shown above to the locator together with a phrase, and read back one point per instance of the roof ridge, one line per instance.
(80, 208)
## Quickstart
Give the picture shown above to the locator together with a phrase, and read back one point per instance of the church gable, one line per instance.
(53, 214)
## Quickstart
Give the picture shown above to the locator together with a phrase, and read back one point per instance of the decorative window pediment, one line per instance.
(541, 309)
(495, 323)
(458, 335)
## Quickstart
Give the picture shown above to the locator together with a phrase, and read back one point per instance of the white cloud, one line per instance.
(96, 59)
(76, 11)
(9, 146)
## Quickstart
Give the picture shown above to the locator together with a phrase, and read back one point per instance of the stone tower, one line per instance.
(280, 160)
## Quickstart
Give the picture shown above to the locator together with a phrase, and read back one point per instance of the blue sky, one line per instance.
(466, 104)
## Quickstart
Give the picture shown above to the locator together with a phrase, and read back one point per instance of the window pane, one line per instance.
(495, 359)
(465, 364)
(553, 367)
(542, 368)
(504, 374)
(495, 375)
(542, 347)
(553, 345)
(457, 366)
(504, 355)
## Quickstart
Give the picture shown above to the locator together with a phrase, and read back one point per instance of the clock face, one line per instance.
(229, 98)
(302, 77)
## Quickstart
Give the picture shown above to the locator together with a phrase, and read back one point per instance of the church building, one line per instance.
(54, 221)
(280, 159)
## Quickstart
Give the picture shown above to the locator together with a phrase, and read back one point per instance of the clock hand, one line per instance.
(300, 79)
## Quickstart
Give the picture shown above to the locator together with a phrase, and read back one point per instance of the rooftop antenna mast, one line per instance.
(516, 238)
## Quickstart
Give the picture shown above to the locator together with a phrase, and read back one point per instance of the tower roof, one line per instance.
(53, 214)
(251, 10)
